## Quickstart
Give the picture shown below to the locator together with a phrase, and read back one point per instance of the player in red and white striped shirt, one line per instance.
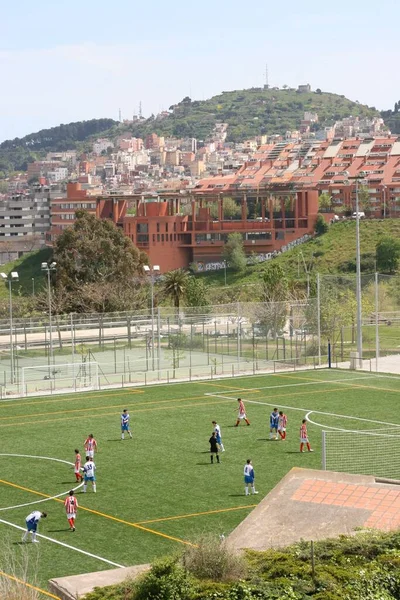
(282, 422)
(242, 413)
(77, 466)
(71, 506)
(90, 445)
(304, 437)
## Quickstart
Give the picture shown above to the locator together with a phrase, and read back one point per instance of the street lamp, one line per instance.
(33, 286)
(225, 271)
(49, 268)
(357, 179)
(151, 272)
(13, 276)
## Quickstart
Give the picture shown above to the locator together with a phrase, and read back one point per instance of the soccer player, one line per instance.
(71, 505)
(213, 447)
(89, 469)
(249, 477)
(282, 422)
(217, 430)
(77, 467)
(273, 424)
(125, 424)
(241, 413)
(32, 521)
(90, 445)
(304, 437)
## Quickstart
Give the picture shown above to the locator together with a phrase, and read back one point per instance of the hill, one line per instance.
(248, 113)
(251, 112)
(17, 153)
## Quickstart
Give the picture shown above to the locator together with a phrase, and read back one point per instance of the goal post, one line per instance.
(369, 452)
(68, 377)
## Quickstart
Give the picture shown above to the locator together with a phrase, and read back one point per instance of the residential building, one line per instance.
(63, 209)
(102, 145)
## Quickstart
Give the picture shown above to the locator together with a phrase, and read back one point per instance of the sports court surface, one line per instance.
(158, 492)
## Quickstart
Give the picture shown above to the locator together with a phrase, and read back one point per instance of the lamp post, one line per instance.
(384, 201)
(49, 268)
(33, 286)
(151, 271)
(13, 276)
(225, 271)
(357, 179)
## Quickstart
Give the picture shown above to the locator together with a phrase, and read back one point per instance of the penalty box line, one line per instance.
(49, 539)
(308, 411)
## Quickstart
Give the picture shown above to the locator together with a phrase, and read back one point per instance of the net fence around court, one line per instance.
(369, 452)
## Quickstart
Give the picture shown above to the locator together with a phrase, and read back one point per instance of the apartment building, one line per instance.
(63, 209)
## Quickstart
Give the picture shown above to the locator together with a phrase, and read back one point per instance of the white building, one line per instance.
(102, 145)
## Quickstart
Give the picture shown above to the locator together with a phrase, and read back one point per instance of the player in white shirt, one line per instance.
(32, 521)
(89, 470)
(217, 430)
(249, 477)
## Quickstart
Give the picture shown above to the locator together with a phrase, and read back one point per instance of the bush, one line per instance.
(18, 567)
(167, 580)
(212, 559)
(321, 226)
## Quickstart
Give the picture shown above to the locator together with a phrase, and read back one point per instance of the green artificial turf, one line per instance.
(165, 471)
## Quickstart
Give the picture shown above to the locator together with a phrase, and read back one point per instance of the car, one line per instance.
(361, 215)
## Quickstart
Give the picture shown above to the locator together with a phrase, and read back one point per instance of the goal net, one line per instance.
(370, 452)
(67, 377)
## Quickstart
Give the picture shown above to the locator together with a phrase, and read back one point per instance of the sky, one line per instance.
(70, 61)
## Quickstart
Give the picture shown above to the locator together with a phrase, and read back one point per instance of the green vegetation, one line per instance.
(321, 226)
(365, 566)
(387, 255)
(233, 252)
(165, 470)
(17, 153)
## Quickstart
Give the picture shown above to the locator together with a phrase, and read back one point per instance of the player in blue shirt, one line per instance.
(125, 424)
(249, 477)
(273, 424)
(32, 521)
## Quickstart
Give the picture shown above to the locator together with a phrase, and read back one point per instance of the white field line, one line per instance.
(44, 499)
(309, 411)
(288, 385)
(364, 431)
(49, 539)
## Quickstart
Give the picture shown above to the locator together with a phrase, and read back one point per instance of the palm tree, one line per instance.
(174, 285)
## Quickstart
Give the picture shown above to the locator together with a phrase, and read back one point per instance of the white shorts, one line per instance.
(281, 428)
(71, 515)
(77, 471)
(304, 440)
(90, 453)
(241, 415)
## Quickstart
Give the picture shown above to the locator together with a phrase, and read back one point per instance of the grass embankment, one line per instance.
(331, 253)
(28, 268)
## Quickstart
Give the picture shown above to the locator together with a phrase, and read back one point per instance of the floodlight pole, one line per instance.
(358, 274)
(48, 268)
(151, 271)
(11, 333)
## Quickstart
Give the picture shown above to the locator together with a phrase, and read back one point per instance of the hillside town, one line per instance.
(144, 185)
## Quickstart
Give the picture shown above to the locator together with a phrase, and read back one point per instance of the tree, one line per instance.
(231, 209)
(234, 253)
(364, 199)
(318, 91)
(95, 251)
(387, 254)
(196, 292)
(175, 285)
(321, 226)
(3, 187)
(325, 201)
(275, 283)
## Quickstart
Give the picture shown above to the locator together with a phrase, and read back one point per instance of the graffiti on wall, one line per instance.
(251, 260)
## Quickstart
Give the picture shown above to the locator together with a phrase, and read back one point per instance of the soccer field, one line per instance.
(158, 491)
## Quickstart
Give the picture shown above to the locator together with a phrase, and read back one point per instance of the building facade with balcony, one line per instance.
(176, 231)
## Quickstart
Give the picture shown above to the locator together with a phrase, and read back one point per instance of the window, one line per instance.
(158, 237)
(142, 228)
(158, 227)
(166, 227)
(162, 237)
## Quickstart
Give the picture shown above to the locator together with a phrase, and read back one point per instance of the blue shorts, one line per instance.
(218, 438)
(31, 526)
(89, 479)
(248, 479)
(125, 427)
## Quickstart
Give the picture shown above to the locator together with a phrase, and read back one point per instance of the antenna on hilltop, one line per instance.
(266, 76)
(120, 116)
(140, 110)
